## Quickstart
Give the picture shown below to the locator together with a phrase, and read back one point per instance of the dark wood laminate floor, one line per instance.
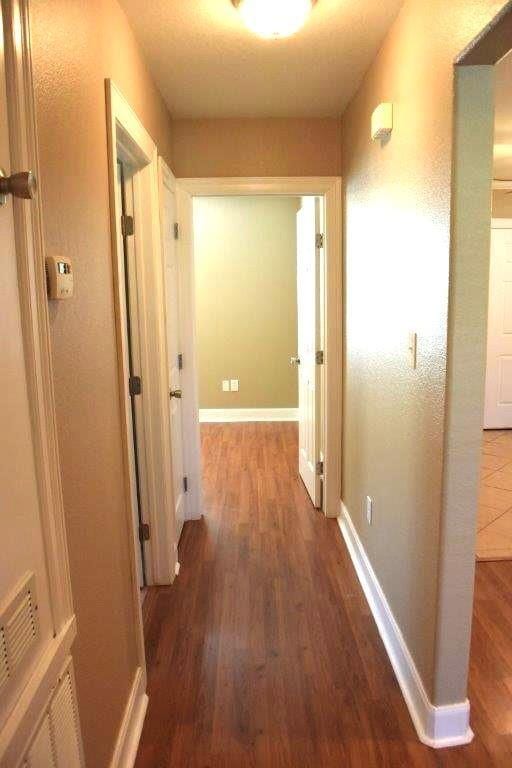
(264, 653)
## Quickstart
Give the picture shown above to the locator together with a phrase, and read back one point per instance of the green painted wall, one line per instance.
(246, 300)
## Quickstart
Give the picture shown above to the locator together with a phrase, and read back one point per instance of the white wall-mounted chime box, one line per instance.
(382, 121)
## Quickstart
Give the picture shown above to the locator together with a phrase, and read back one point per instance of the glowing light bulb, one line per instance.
(274, 18)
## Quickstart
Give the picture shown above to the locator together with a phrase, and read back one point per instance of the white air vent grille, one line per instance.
(41, 753)
(4, 666)
(65, 725)
(18, 628)
(20, 631)
(57, 743)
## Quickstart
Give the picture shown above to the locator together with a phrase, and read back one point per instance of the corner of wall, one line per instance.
(467, 324)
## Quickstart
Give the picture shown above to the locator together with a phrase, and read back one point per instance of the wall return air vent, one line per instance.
(19, 629)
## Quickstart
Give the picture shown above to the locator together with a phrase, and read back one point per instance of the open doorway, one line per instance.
(224, 389)
(258, 263)
(494, 536)
(140, 303)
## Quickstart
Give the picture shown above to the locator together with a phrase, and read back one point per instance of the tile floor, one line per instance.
(494, 537)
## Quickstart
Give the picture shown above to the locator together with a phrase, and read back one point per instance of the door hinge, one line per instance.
(319, 240)
(185, 484)
(180, 361)
(319, 357)
(144, 532)
(135, 385)
(176, 231)
(127, 225)
(319, 467)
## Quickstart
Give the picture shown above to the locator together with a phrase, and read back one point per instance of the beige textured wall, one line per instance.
(502, 204)
(246, 300)
(397, 261)
(257, 147)
(76, 44)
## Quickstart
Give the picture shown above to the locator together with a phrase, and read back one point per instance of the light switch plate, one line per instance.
(369, 510)
(234, 385)
(412, 348)
(225, 385)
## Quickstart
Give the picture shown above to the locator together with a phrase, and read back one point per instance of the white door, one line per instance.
(174, 358)
(308, 308)
(27, 629)
(129, 313)
(498, 385)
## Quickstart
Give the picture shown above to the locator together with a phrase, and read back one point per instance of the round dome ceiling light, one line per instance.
(274, 18)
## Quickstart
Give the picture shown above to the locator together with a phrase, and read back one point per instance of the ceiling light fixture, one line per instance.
(274, 18)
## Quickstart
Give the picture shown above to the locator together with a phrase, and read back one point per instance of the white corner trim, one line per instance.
(212, 415)
(443, 726)
(128, 737)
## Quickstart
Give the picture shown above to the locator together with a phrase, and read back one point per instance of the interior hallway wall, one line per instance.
(397, 262)
(76, 44)
(256, 147)
(246, 300)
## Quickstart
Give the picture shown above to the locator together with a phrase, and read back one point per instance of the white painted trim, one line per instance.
(330, 189)
(501, 223)
(500, 184)
(127, 742)
(437, 726)
(219, 415)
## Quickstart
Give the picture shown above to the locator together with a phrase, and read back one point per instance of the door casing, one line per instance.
(329, 188)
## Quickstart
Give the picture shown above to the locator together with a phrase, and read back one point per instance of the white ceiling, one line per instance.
(207, 64)
(503, 120)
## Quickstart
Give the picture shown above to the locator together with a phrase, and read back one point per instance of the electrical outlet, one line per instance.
(369, 510)
(225, 385)
(234, 385)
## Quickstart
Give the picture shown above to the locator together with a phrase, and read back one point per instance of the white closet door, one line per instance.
(498, 384)
(23, 553)
(308, 308)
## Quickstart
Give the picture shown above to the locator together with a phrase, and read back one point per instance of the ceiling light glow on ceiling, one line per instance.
(274, 18)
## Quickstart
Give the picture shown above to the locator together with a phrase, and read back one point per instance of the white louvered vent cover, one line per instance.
(41, 754)
(57, 743)
(19, 628)
(4, 666)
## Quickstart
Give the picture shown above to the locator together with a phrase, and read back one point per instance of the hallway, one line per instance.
(264, 652)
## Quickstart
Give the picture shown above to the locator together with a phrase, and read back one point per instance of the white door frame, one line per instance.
(30, 254)
(323, 186)
(129, 140)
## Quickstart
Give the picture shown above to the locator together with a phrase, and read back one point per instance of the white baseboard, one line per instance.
(128, 738)
(212, 415)
(444, 726)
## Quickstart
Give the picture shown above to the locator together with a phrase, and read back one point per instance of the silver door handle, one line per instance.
(294, 360)
(175, 393)
(22, 185)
